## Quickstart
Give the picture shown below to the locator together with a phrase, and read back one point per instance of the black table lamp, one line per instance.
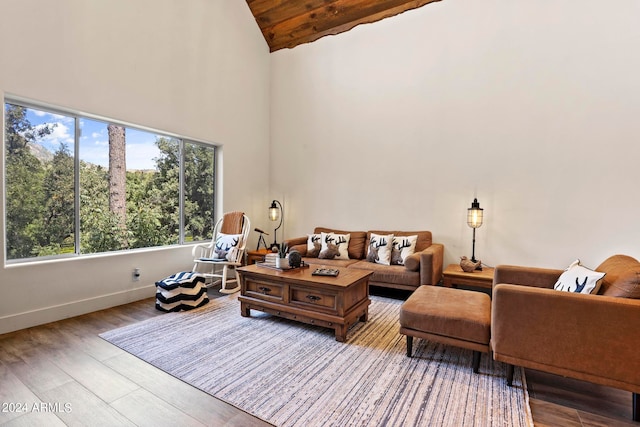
(276, 213)
(474, 220)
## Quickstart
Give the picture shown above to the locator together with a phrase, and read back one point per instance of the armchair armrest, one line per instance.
(587, 337)
(428, 262)
(201, 250)
(526, 276)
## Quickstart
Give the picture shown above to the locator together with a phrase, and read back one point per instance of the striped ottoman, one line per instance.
(181, 291)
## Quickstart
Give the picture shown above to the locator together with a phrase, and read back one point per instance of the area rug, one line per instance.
(292, 374)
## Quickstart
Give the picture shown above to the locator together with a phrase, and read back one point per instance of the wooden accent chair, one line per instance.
(225, 251)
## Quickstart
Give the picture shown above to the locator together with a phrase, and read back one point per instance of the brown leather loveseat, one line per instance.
(594, 338)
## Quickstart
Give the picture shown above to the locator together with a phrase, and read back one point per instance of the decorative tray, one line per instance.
(273, 267)
(325, 272)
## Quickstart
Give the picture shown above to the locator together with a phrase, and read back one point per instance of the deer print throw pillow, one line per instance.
(402, 247)
(334, 246)
(314, 245)
(379, 250)
(226, 246)
(579, 279)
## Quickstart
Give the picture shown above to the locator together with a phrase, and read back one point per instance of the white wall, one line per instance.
(532, 107)
(198, 69)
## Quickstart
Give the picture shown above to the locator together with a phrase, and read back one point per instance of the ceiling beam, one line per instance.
(288, 23)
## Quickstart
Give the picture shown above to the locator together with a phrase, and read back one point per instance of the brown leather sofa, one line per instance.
(424, 267)
(592, 338)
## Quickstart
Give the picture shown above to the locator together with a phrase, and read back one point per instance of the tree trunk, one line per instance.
(118, 178)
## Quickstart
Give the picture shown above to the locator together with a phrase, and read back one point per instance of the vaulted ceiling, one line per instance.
(288, 23)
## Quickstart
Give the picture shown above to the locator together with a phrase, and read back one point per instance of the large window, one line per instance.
(78, 185)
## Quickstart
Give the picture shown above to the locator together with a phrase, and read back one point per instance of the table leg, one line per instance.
(341, 333)
(245, 311)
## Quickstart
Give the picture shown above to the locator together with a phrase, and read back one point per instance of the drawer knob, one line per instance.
(313, 298)
(264, 289)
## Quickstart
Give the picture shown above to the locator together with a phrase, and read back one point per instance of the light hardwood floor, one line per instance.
(84, 380)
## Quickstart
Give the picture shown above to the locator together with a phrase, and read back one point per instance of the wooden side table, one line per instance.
(256, 256)
(453, 275)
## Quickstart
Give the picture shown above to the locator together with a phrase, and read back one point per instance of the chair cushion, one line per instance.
(622, 277)
(579, 279)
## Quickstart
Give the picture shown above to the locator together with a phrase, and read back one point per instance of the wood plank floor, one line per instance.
(62, 373)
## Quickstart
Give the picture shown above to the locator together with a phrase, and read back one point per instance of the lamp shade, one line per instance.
(474, 215)
(274, 212)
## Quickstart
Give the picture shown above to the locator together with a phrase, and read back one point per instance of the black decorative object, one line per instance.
(295, 259)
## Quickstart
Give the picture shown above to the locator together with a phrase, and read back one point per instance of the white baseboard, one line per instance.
(27, 319)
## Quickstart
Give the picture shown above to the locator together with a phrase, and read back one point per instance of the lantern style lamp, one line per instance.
(474, 220)
(275, 214)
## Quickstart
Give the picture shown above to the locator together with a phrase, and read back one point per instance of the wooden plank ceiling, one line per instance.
(288, 23)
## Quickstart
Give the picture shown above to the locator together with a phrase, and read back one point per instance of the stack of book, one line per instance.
(270, 259)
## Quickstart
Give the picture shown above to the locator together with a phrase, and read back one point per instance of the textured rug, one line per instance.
(292, 374)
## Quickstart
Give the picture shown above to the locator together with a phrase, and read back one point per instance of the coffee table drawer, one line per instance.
(265, 290)
(312, 298)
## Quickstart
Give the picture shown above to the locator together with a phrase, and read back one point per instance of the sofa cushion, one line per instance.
(314, 245)
(332, 263)
(300, 248)
(627, 286)
(423, 241)
(579, 279)
(412, 262)
(622, 277)
(334, 246)
(391, 274)
(356, 243)
(402, 248)
(379, 249)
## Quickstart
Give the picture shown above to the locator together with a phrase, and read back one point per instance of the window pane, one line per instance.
(40, 190)
(129, 188)
(160, 206)
(199, 172)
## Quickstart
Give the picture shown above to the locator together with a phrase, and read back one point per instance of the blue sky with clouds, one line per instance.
(94, 140)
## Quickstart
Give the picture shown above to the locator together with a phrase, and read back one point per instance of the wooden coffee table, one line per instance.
(332, 302)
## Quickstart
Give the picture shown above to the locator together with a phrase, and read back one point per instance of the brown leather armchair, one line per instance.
(587, 337)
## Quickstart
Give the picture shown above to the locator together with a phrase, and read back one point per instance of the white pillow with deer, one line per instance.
(226, 246)
(379, 250)
(402, 247)
(579, 279)
(314, 245)
(334, 246)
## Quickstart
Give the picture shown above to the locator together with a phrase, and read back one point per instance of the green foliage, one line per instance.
(24, 173)
(40, 205)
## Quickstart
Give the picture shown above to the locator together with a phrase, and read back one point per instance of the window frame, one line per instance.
(77, 117)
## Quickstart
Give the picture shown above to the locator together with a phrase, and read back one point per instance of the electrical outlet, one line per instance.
(136, 274)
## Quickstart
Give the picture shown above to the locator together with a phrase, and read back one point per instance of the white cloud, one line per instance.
(59, 135)
(141, 156)
(53, 117)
